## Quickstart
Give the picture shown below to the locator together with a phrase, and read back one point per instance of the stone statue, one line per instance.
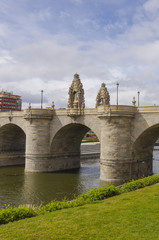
(134, 102)
(76, 94)
(103, 97)
(29, 113)
(53, 105)
(29, 106)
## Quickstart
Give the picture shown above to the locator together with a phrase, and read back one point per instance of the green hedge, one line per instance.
(99, 193)
(139, 183)
(10, 214)
(93, 195)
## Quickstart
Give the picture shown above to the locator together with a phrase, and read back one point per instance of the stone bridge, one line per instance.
(48, 140)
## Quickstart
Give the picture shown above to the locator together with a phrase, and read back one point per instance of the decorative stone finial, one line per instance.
(53, 105)
(134, 102)
(76, 96)
(103, 97)
(10, 116)
(29, 106)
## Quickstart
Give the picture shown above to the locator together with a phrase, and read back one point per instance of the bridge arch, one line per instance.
(68, 139)
(142, 150)
(66, 144)
(12, 145)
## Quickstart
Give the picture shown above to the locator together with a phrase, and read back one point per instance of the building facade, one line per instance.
(10, 102)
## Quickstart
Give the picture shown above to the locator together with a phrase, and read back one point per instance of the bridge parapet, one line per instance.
(13, 113)
(116, 111)
(113, 110)
(147, 109)
(36, 113)
(87, 111)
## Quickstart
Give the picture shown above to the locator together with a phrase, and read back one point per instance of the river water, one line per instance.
(18, 187)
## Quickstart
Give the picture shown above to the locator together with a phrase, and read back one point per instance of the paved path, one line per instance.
(90, 149)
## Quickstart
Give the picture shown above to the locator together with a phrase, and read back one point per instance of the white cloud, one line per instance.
(37, 58)
(51, 66)
(151, 6)
(86, 22)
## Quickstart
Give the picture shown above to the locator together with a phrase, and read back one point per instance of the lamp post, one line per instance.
(138, 97)
(42, 99)
(117, 93)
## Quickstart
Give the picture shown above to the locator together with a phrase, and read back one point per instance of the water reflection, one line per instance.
(11, 184)
(17, 187)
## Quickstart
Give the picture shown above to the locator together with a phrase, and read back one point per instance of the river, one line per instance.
(18, 187)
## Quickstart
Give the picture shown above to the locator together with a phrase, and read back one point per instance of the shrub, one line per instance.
(100, 193)
(92, 195)
(139, 183)
(56, 205)
(10, 214)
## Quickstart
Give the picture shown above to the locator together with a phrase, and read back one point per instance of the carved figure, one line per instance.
(29, 113)
(134, 102)
(10, 116)
(76, 94)
(29, 106)
(53, 105)
(103, 97)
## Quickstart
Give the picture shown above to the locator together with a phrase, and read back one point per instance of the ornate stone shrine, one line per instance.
(76, 103)
(103, 97)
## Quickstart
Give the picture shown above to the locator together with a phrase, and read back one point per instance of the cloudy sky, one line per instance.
(44, 43)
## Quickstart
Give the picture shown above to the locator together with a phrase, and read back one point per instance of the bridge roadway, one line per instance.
(48, 140)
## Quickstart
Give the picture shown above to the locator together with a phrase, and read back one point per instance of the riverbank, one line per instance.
(130, 216)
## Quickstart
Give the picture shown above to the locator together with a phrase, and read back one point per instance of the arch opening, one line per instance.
(156, 157)
(142, 151)
(12, 145)
(66, 146)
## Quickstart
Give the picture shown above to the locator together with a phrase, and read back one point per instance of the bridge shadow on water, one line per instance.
(18, 187)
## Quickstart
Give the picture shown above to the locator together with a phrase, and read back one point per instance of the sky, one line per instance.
(44, 43)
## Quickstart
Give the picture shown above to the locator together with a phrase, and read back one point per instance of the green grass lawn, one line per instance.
(90, 139)
(133, 215)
